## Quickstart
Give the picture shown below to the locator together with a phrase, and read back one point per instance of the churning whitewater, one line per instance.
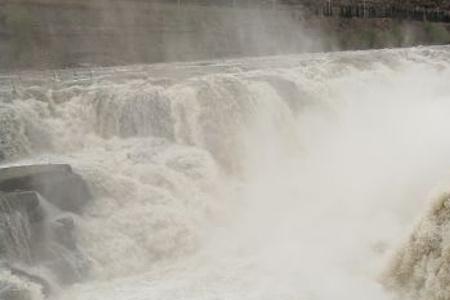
(288, 177)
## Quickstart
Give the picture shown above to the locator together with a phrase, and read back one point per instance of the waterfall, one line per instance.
(285, 177)
(15, 233)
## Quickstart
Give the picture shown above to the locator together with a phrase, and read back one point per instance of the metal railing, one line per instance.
(342, 8)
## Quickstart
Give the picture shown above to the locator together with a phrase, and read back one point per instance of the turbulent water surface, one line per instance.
(291, 177)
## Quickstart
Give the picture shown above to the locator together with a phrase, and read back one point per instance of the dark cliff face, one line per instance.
(74, 33)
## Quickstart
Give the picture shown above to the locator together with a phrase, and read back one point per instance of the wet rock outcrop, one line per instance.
(58, 184)
(421, 267)
(38, 211)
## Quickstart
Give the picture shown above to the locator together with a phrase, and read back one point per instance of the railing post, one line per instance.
(364, 8)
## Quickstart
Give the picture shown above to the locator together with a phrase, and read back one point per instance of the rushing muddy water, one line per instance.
(290, 177)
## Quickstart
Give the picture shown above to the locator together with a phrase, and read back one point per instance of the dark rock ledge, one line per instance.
(39, 205)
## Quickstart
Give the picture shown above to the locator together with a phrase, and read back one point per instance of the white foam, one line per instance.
(256, 193)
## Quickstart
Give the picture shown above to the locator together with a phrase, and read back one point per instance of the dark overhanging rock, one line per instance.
(57, 183)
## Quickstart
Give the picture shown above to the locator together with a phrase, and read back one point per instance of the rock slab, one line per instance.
(56, 182)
